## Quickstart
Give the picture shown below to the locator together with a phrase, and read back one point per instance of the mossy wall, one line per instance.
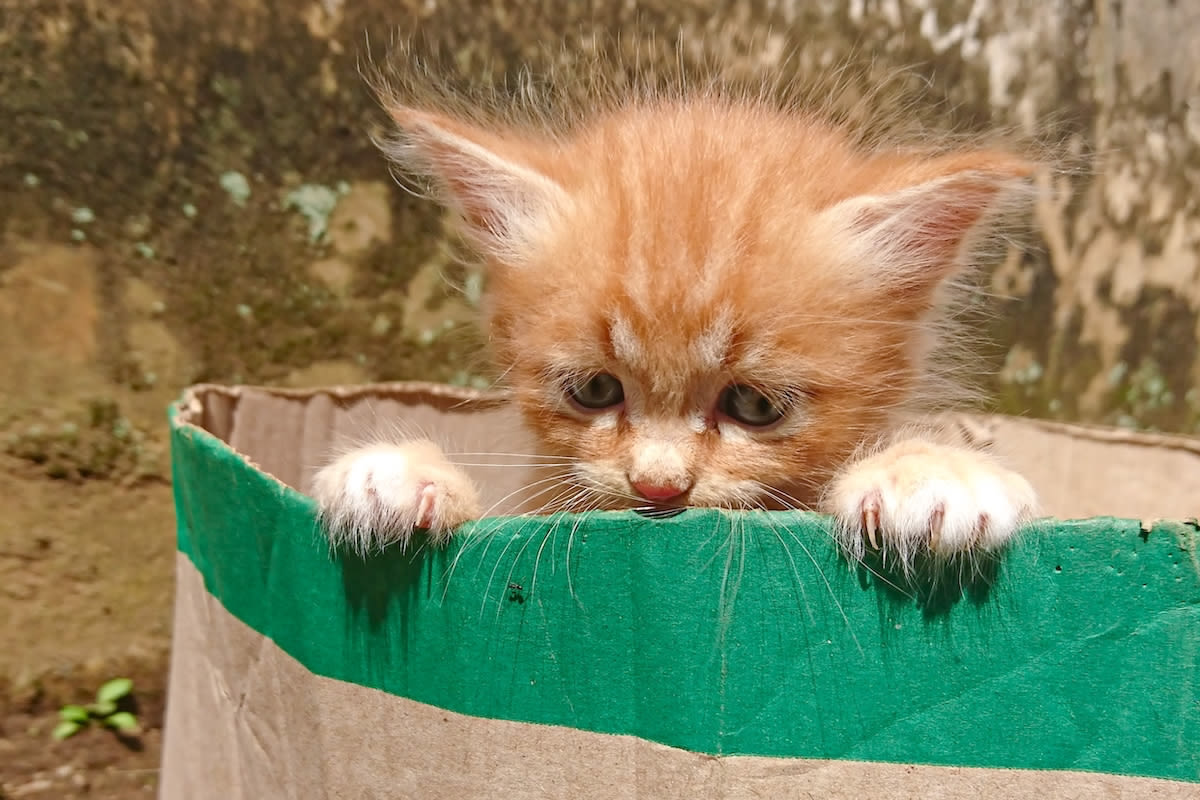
(188, 192)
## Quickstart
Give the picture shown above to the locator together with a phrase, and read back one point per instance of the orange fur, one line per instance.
(810, 268)
(711, 296)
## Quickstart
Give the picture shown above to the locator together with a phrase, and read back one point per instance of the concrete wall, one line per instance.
(188, 192)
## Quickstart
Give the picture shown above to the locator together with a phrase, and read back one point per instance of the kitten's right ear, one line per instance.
(923, 221)
(505, 202)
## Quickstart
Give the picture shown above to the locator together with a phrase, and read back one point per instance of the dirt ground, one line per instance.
(107, 557)
(94, 764)
(111, 630)
(86, 536)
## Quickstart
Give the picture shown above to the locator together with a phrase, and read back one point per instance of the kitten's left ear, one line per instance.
(490, 180)
(921, 223)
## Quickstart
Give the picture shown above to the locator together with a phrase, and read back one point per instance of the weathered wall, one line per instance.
(188, 192)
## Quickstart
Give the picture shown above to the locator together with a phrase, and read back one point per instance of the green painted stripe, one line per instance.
(1082, 656)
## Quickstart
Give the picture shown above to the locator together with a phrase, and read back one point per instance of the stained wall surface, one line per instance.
(188, 191)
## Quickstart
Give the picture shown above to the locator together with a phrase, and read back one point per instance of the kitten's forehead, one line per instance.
(681, 260)
(670, 351)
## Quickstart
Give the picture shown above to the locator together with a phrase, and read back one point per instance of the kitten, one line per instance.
(704, 299)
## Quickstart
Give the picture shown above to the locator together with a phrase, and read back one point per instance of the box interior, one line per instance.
(1079, 471)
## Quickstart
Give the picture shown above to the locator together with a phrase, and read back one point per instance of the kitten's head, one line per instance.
(709, 301)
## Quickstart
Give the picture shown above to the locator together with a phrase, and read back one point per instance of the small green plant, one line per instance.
(104, 712)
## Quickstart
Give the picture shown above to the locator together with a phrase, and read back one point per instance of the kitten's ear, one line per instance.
(504, 201)
(923, 224)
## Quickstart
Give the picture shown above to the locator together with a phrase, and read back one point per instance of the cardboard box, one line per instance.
(708, 655)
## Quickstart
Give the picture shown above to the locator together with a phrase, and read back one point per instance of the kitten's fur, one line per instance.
(686, 242)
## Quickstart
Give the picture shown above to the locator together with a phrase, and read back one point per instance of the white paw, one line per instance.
(917, 496)
(380, 494)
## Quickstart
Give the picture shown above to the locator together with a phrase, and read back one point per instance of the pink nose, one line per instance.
(658, 492)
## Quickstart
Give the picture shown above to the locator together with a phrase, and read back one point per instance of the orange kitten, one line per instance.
(704, 299)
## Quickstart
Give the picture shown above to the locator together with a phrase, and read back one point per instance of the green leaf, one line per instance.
(122, 721)
(114, 690)
(74, 713)
(66, 729)
(102, 708)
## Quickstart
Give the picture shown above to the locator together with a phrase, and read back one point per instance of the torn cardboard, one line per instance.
(706, 655)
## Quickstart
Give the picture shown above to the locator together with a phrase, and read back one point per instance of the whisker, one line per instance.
(591, 485)
(516, 559)
(537, 559)
(488, 534)
(729, 592)
(562, 502)
(570, 542)
(857, 559)
(541, 456)
(824, 579)
(484, 538)
(492, 576)
(551, 479)
(547, 465)
(786, 500)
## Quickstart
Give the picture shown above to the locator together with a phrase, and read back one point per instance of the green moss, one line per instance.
(236, 186)
(316, 203)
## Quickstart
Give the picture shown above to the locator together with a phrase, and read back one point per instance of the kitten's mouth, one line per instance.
(662, 508)
(661, 512)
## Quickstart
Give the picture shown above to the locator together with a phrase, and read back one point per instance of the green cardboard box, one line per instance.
(707, 655)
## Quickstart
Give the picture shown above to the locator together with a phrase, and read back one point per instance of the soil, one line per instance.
(85, 595)
(95, 763)
(86, 537)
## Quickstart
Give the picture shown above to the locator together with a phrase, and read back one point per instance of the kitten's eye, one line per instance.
(748, 406)
(599, 391)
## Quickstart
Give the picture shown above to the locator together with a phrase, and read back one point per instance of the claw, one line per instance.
(870, 520)
(427, 506)
(981, 527)
(935, 526)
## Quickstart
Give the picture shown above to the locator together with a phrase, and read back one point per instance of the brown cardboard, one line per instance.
(1079, 470)
(246, 720)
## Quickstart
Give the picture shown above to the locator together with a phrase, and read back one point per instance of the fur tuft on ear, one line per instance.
(504, 202)
(924, 225)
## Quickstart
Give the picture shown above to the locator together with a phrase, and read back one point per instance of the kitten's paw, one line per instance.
(917, 496)
(380, 494)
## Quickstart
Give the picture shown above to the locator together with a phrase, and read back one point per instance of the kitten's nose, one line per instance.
(658, 492)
